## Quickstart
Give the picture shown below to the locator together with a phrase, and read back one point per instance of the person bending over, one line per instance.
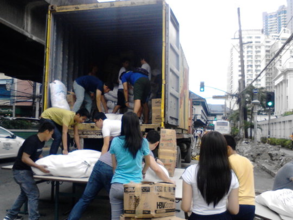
(29, 152)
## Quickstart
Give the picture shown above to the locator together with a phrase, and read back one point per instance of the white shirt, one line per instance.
(199, 204)
(122, 69)
(147, 67)
(111, 128)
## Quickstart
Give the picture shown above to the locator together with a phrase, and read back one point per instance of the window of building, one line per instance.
(257, 37)
(257, 42)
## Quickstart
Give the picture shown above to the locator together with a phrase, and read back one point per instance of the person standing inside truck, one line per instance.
(243, 169)
(146, 66)
(210, 187)
(62, 119)
(85, 85)
(284, 177)
(29, 152)
(141, 89)
(127, 152)
(120, 95)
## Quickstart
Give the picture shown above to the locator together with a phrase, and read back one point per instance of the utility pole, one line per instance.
(242, 115)
(269, 124)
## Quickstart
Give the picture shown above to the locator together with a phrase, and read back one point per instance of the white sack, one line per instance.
(113, 92)
(114, 116)
(280, 201)
(58, 93)
(108, 97)
(111, 104)
(151, 175)
(77, 164)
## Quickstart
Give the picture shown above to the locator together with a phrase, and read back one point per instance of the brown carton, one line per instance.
(168, 139)
(122, 217)
(156, 103)
(149, 200)
(168, 157)
(156, 115)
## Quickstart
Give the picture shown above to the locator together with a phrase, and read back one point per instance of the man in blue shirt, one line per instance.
(85, 85)
(141, 89)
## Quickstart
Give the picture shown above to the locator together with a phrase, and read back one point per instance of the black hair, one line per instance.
(144, 57)
(131, 130)
(83, 112)
(46, 126)
(214, 174)
(230, 141)
(153, 136)
(100, 115)
(110, 85)
(123, 60)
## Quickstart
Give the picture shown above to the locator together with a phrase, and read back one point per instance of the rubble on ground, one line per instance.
(269, 158)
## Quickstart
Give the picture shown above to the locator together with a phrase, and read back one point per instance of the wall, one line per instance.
(280, 127)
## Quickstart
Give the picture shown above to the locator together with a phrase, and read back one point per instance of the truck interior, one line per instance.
(103, 37)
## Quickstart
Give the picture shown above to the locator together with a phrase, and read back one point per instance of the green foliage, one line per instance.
(263, 140)
(288, 113)
(234, 131)
(277, 141)
(15, 124)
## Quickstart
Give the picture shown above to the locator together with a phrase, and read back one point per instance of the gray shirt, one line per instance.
(282, 179)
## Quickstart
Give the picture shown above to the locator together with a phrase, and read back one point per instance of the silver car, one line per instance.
(9, 143)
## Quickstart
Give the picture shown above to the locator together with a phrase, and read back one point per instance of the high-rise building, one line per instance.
(273, 22)
(289, 20)
(256, 46)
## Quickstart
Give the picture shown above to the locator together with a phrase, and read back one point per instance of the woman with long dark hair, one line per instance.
(210, 186)
(128, 151)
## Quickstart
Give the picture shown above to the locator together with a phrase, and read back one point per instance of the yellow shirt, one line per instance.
(244, 172)
(59, 116)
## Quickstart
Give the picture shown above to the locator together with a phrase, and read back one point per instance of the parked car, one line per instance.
(9, 143)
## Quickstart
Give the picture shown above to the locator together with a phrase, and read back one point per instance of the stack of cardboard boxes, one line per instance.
(168, 150)
(156, 111)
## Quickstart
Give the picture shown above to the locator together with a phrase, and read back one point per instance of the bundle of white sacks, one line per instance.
(79, 164)
(112, 99)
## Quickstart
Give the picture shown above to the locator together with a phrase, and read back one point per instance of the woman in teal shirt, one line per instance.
(128, 151)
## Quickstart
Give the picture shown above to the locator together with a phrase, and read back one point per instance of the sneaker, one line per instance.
(17, 218)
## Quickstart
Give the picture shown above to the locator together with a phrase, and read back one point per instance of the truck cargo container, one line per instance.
(104, 33)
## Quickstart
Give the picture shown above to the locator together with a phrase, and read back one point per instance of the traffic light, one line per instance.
(201, 87)
(270, 100)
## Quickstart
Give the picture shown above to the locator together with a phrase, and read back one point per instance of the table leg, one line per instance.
(81, 142)
(52, 190)
(57, 201)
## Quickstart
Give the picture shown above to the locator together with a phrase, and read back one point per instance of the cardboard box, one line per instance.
(122, 217)
(168, 150)
(149, 200)
(156, 103)
(168, 139)
(71, 98)
(156, 115)
(168, 157)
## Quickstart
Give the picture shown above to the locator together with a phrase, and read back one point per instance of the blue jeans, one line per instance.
(116, 200)
(28, 192)
(246, 212)
(57, 136)
(100, 178)
(81, 96)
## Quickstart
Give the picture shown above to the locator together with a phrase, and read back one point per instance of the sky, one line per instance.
(206, 29)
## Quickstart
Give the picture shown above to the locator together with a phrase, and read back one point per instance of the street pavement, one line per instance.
(99, 209)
